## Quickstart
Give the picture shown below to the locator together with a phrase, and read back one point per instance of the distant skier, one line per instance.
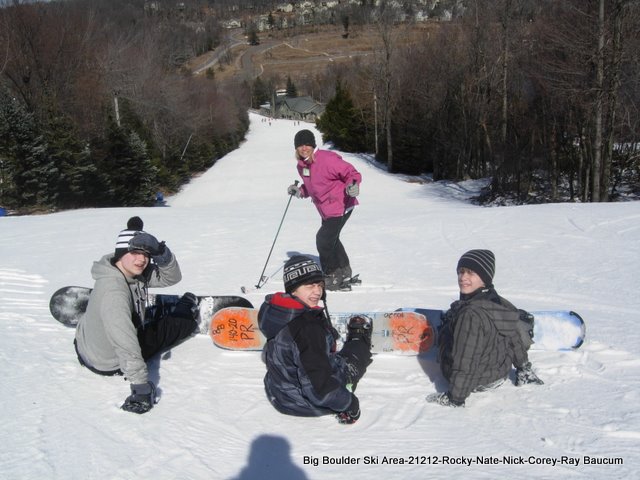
(482, 335)
(113, 337)
(333, 185)
(306, 376)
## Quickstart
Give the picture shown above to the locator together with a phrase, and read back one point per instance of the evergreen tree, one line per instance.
(77, 183)
(292, 91)
(27, 170)
(341, 124)
(252, 34)
(131, 174)
(145, 193)
(261, 93)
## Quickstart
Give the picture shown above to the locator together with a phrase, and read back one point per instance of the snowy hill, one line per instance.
(213, 421)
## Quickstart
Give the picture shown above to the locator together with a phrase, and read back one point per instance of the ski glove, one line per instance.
(158, 251)
(525, 375)
(353, 190)
(443, 399)
(142, 398)
(351, 414)
(294, 189)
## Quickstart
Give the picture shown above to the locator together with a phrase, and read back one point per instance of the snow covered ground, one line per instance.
(213, 421)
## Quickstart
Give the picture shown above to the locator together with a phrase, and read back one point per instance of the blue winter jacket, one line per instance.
(305, 376)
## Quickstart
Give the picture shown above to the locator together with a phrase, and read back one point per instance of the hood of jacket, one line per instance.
(277, 311)
(105, 269)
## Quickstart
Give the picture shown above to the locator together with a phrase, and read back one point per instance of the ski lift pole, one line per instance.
(261, 280)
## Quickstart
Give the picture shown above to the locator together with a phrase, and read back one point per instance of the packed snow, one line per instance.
(213, 421)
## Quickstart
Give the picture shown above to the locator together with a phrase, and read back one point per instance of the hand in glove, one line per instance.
(142, 398)
(294, 189)
(443, 399)
(351, 414)
(149, 244)
(525, 375)
(353, 190)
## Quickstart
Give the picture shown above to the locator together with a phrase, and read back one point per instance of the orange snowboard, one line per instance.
(236, 328)
(401, 333)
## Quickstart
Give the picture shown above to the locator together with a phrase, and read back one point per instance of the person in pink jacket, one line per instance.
(333, 185)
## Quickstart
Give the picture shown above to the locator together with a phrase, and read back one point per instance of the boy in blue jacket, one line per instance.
(306, 376)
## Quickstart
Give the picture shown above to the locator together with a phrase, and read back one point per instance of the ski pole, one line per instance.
(259, 284)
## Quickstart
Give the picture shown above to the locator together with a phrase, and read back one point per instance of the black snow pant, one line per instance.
(332, 253)
(159, 335)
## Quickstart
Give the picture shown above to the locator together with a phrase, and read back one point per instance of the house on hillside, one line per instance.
(285, 7)
(233, 23)
(300, 108)
(294, 108)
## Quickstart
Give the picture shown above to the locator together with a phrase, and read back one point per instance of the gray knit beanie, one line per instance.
(482, 262)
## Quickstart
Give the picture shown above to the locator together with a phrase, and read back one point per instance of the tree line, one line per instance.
(98, 106)
(541, 96)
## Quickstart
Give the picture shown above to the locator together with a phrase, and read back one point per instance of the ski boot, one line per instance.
(335, 283)
(348, 278)
(354, 280)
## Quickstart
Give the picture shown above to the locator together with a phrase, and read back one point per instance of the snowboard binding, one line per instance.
(359, 328)
(187, 307)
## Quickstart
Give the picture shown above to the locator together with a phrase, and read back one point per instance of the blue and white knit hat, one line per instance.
(482, 262)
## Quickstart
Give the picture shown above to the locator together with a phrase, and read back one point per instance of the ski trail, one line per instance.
(22, 295)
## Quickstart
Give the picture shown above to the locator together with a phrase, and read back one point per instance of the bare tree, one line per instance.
(385, 19)
(582, 56)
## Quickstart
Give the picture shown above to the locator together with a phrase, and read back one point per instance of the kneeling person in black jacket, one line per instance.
(306, 376)
(482, 335)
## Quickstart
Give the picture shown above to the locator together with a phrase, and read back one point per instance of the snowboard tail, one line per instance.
(552, 329)
(558, 330)
(68, 304)
(402, 333)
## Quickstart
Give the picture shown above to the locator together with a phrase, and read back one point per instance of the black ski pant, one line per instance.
(162, 334)
(332, 253)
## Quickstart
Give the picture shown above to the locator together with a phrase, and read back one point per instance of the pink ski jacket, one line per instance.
(325, 181)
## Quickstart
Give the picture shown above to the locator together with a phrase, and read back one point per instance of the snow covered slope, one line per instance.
(60, 421)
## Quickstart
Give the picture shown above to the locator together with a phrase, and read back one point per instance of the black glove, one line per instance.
(351, 414)
(525, 375)
(142, 398)
(149, 244)
(443, 399)
(294, 189)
